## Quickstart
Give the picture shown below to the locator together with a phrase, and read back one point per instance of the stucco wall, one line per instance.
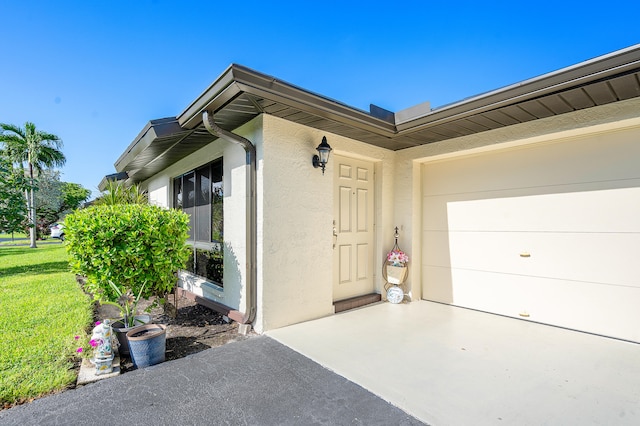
(159, 187)
(297, 221)
(295, 204)
(408, 212)
(295, 214)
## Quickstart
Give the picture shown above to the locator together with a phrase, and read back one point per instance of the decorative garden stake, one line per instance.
(395, 271)
(102, 343)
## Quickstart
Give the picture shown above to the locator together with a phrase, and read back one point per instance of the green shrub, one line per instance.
(137, 247)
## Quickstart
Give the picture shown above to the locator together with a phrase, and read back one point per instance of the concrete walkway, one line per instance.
(454, 366)
(252, 382)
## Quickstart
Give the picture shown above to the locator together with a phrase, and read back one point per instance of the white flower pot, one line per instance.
(396, 274)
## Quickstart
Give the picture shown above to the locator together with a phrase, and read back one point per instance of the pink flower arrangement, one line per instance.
(397, 257)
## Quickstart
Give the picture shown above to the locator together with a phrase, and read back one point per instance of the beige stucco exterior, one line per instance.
(295, 203)
(160, 193)
(294, 215)
(295, 248)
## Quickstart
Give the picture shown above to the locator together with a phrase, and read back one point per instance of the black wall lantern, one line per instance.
(322, 158)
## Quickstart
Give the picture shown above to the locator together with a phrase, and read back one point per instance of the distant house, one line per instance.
(523, 201)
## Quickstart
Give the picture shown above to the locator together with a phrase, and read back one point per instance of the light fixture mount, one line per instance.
(322, 158)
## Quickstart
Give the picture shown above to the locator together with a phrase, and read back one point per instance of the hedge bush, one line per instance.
(131, 245)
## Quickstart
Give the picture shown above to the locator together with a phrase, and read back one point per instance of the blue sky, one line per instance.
(95, 72)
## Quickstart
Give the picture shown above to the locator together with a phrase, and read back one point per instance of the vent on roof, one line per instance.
(382, 114)
(413, 112)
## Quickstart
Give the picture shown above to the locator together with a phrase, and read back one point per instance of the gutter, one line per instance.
(598, 68)
(245, 319)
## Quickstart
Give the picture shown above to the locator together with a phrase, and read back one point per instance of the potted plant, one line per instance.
(127, 252)
(127, 304)
(147, 344)
(396, 266)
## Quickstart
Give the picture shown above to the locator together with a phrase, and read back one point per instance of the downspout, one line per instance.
(245, 319)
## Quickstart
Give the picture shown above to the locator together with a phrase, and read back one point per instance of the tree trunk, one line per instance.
(32, 212)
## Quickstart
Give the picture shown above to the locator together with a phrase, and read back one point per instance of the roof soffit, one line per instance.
(598, 69)
(240, 94)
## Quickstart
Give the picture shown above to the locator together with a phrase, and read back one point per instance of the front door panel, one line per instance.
(353, 228)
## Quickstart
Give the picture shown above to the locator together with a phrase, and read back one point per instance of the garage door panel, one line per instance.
(612, 210)
(596, 308)
(580, 208)
(550, 230)
(581, 306)
(577, 161)
(440, 287)
(435, 248)
(599, 258)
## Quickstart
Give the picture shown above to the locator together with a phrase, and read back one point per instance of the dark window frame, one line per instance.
(200, 193)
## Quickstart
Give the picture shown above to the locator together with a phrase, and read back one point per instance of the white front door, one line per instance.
(353, 228)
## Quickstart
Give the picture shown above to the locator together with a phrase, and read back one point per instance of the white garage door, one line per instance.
(549, 233)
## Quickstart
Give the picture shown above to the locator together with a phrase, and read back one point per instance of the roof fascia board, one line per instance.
(166, 151)
(237, 79)
(322, 107)
(595, 69)
(217, 94)
(151, 131)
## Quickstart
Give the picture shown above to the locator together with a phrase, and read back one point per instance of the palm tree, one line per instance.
(118, 193)
(35, 149)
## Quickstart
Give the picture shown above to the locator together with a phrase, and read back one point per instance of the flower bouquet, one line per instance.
(397, 257)
(396, 266)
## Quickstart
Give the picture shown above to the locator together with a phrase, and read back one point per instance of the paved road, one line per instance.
(257, 381)
(23, 242)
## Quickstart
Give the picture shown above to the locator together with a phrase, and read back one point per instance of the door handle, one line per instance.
(335, 234)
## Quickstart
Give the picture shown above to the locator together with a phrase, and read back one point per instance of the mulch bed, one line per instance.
(191, 328)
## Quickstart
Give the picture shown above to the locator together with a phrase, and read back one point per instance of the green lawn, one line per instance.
(42, 308)
(17, 238)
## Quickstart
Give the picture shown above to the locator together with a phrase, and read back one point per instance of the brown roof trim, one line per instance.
(239, 86)
(151, 131)
(583, 73)
(238, 79)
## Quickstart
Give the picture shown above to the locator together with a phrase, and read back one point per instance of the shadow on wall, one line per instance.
(232, 277)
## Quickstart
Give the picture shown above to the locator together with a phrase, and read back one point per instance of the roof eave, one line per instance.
(238, 79)
(152, 130)
(582, 73)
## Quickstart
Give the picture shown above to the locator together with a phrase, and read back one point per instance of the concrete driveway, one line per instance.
(454, 366)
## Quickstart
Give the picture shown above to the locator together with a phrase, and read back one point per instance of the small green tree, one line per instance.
(12, 206)
(137, 247)
(73, 195)
(55, 199)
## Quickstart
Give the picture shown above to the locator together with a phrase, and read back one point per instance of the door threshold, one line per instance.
(356, 302)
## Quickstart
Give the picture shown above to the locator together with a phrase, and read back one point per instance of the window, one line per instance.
(200, 194)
